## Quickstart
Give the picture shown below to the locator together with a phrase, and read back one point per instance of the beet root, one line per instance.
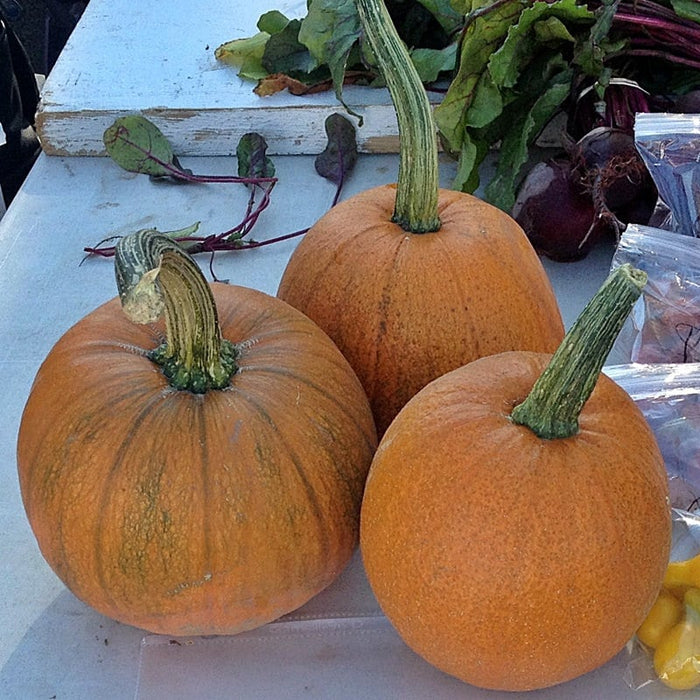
(567, 205)
(556, 213)
(688, 103)
(608, 165)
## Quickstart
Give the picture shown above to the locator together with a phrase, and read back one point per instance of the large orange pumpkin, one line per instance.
(517, 548)
(412, 281)
(195, 510)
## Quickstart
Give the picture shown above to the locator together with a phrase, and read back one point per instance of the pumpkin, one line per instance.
(203, 485)
(516, 524)
(411, 280)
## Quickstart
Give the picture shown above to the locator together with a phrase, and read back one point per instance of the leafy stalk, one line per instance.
(656, 31)
(137, 145)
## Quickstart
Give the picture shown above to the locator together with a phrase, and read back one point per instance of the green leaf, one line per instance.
(591, 53)
(494, 97)
(486, 104)
(443, 11)
(521, 134)
(251, 154)
(416, 24)
(483, 36)
(329, 31)
(184, 233)
(430, 63)
(246, 55)
(687, 9)
(138, 145)
(340, 154)
(524, 37)
(272, 22)
(552, 30)
(463, 7)
(284, 53)
(467, 175)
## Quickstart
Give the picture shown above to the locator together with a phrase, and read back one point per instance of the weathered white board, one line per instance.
(157, 59)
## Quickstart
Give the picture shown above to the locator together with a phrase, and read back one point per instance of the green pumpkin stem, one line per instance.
(416, 208)
(156, 277)
(554, 404)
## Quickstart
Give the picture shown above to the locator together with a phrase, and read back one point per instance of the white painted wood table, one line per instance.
(53, 646)
(158, 59)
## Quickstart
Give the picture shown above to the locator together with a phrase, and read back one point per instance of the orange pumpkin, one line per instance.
(412, 281)
(195, 510)
(512, 542)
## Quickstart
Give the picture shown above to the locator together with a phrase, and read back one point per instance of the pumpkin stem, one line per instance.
(552, 407)
(156, 277)
(416, 208)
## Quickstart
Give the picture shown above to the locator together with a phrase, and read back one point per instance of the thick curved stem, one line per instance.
(416, 208)
(552, 407)
(157, 277)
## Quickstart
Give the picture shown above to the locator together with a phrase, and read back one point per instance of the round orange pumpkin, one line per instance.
(404, 308)
(201, 510)
(410, 280)
(517, 553)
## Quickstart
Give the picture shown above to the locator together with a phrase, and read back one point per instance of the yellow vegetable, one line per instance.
(664, 614)
(677, 656)
(683, 574)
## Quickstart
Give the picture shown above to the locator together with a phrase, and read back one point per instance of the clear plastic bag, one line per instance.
(669, 397)
(672, 624)
(669, 144)
(664, 325)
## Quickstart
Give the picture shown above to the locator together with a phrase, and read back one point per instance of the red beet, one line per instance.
(688, 103)
(608, 165)
(557, 215)
(567, 205)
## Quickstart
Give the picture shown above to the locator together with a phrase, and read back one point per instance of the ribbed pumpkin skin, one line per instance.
(406, 308)
(506, 560)
(196, 514)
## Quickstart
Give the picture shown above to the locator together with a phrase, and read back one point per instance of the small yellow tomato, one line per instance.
(664, 614)
(683, 574)
(677, 655)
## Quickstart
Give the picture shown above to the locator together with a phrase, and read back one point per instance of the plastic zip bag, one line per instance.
(664, 325)
(669, 144)
(666, 648)
(669, 397)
